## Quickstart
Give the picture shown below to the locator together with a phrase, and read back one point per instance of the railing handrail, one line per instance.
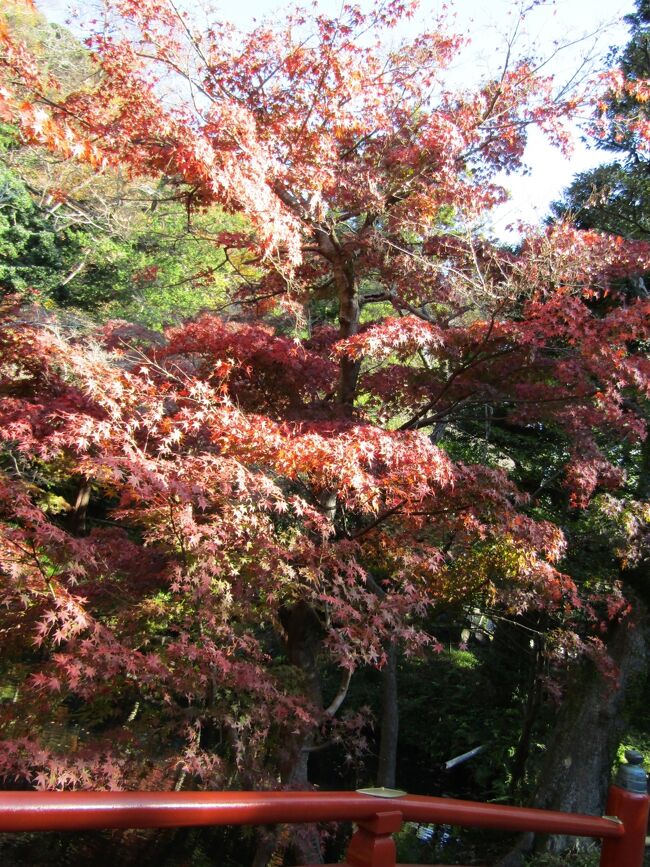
(84, 810)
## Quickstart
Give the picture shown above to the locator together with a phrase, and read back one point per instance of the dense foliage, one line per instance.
(403, 430)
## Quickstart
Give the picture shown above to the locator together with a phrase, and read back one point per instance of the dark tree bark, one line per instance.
(533, 701)
(77, 515)
(303, 636)
(347, 290)
(304, 633)
(576, 775)
(386, 770)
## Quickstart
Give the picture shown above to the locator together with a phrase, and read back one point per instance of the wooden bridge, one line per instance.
(376, 816)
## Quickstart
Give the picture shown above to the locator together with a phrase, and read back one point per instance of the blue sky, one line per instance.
(488, 23)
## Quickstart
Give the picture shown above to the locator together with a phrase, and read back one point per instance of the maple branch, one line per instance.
(400, 304)
(236, 269)
(76, 209)
(546, 482)
(72, 274)
(374, 298)
(274, 71)
(197, 275)
(439, 416)
(33, 554)
(340, 696)
(183, 74)
(432, 265)
(378, 520)
(295, 203)
(349, 151)
(178, 534)
(472, 362)
(199, 53)
(254, 300)
(566, 398)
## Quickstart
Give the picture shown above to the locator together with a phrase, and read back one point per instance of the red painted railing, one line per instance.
(623, 832)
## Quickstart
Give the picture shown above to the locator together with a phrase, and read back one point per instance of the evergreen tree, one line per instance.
(614, 197)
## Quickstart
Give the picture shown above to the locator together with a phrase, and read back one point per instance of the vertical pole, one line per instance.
(628, 801)
(372, 844)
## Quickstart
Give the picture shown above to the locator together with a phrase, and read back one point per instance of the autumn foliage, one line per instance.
(270, 495)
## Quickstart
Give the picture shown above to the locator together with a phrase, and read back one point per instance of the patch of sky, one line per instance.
(570, 38)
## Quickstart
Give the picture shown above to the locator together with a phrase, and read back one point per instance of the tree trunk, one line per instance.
(300, 621)
(386, 770)
(533, 701)
(577, 773)
(303, 631)
(347, 291)
(349, 312)
(576, 776)
(77, 515)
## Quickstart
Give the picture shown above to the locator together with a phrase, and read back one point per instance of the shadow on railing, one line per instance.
(622, 831)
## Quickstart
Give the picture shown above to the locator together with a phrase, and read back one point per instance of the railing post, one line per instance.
(372, 844)
(628, 801)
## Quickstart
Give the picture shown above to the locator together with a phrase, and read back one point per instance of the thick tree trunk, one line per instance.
(386, 770)
(577, 773)
(303, 632)
(301, 624)
(347, 291)
(349, 312)
(304, 635)
(576, 776)
(77, 515)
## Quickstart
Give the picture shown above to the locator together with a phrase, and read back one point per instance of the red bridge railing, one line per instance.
(623, 832)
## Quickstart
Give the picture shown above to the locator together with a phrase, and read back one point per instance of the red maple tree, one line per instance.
(275, 500)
